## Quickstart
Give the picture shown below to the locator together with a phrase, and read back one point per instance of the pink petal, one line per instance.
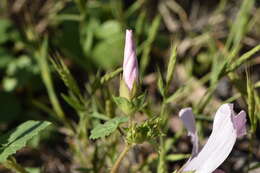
(239, 123)
(219, 144)
(187, 117)
(130, 65)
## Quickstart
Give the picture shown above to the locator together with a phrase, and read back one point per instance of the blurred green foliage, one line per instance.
(197, 52)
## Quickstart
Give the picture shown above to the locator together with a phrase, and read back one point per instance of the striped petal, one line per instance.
(130, 65)
(188, 120)
(226, 128)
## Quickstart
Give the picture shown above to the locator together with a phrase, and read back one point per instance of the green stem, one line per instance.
(120, 158)
(14, 166)
(162, 167)
(251, 147)
(41, 57)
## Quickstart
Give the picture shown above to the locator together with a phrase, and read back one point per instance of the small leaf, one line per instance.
(108, 53)
(153, 30)
(73, 102)
(139, 102)
(177, 157)
(18, 138)
(171, 66)
(103, 130)
(242, 59)
(99, 116)
(251, 103)
(160, 84)
(108, 76)
(33, 170)
(66, 76)
(108, 29)
(175, 95)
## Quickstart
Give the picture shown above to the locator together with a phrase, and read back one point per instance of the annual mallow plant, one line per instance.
(112, 123)
(227, 125)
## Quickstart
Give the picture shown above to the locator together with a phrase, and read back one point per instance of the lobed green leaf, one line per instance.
(103, 130)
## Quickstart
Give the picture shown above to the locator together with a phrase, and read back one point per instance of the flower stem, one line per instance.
(120, 158)
(162, 167)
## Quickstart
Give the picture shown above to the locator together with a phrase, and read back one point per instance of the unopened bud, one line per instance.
(130, 66)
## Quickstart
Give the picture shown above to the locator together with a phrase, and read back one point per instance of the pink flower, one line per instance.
(130, 66)
(227, 126)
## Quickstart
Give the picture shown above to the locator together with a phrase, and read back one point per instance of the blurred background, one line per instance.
(88, 35)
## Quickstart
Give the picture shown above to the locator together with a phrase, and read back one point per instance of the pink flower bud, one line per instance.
(130, 66)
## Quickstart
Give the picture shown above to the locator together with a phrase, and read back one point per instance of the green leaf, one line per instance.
(4, 26)
(18, 138)
(73, 102)
(171, 66)
(99, 116)
(66, 76)
(251, 103)
(109, 52)
(9, 83)
(41, 57)
(242, 59)
(177, 157)
(33, 170)
(5, 59)
(160, 84)
(139, 102)
(153, 29)
(103, 130)
(108, 76)
(108, 29)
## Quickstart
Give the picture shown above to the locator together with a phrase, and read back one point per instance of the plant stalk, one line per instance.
(120, 158)
(162, 167)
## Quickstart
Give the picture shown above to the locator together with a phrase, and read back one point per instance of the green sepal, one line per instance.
(134, 91)
(139, 102)
(125, 105)
(147, 131)
(124, 90)
(129, 107)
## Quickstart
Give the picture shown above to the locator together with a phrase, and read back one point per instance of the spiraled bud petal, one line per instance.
(130, 66)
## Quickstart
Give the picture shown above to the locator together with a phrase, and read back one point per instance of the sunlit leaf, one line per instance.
(18, 138)
(106, 129)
